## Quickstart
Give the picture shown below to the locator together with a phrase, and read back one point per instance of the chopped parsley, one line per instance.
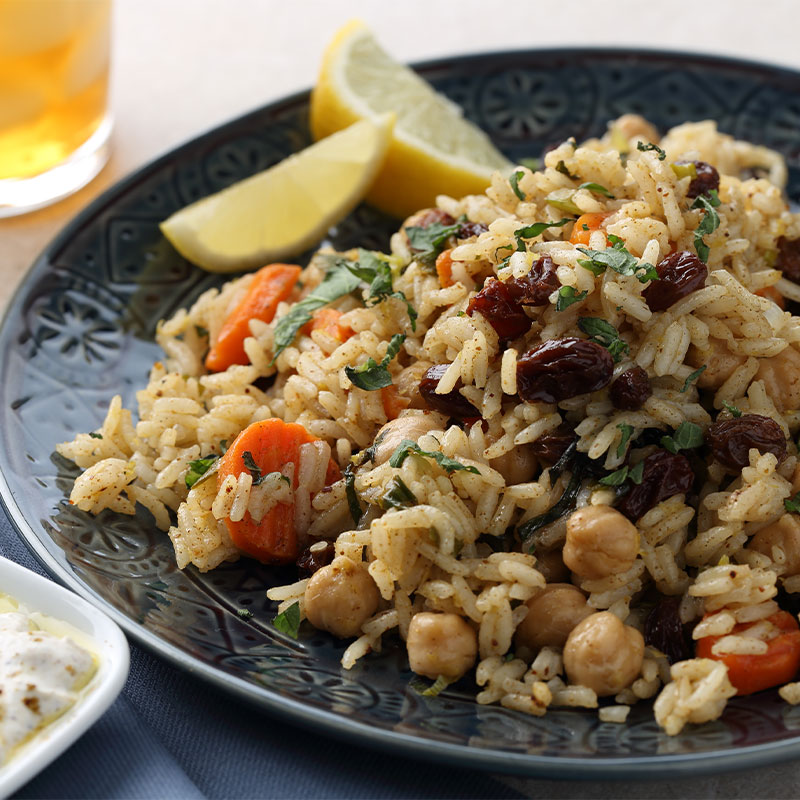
(562, 168)
(792, 504)
(378, 274)
(643, 148)
(537, 229)
(625, 473)
(693, 377)
(407, 447)
(605, 334)
(429, 242)
(514, 181)
(95, 435)
(289, 621)
(356, 512)
(398, 495)
(708, 224)
(252, 467)
(197, 469)
(735, 412)
(687, 437)
(567, 296)
(244, 613)
(370, 375)
(617, 258)
(627, 432)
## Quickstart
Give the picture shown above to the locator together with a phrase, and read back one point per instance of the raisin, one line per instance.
(535, 288)
(312, 560)
(470, 229)
(663, 476)
(496, 303)
(630, 389)
(788, 260)
(731, 439)
(552, 445)
(679, 274)
(664, 630)
(707, 179)
(563, 368)
(454, 404)
(430, 217)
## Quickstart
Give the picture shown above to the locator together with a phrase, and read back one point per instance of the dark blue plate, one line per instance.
(80, 329)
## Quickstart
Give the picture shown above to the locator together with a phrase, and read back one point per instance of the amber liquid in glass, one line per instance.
(53, 80)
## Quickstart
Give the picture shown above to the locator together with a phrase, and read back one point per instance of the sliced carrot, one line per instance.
(327, 319)
(771, 293)
(585, 226)
(271, 443)
(270, 285)
(752, 673)
(393, 401)
(444, 269)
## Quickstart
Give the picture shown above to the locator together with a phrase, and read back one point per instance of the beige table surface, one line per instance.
(183, 66)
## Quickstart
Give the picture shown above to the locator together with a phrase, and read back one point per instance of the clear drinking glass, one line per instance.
(54, 120)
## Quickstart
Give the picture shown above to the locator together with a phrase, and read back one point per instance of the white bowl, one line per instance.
(110, 646)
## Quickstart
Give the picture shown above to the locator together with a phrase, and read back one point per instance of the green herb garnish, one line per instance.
(356, 512)
(567, 296)
(627, 432)
(596, 188)
(643, 148)
(408, 447)
(370, 375)
(625, 473)
(693, 377)
(289, 621)
(429, 242)
(244, 613)
(197, 469)
(397, 495)
(617, 258)
(514, 181)
(605, 334)
(532, 231)
(378, 274)
(562, 168)
(792, 505)
(735, 412)
(708, 224)
(687, 437)
(95, 435)
(252, 467)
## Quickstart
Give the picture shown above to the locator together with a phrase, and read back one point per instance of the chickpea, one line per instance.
(552, 566)
(552, 614)
(441, 644)
(633, 126)
(718, 360)
(781, 376)
(408, 426)
(600, 542)
(785, 533)
(517, 466)
(341, 597)
(603, 653)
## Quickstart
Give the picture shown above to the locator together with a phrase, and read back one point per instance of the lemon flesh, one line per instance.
(285, 209)
(434, 150)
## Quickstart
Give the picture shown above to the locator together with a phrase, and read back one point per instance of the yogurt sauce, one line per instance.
(42, 672)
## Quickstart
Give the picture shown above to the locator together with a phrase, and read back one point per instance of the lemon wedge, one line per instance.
(434, 150)
(285, 209)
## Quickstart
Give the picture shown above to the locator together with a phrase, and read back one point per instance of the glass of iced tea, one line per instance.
(54, 121)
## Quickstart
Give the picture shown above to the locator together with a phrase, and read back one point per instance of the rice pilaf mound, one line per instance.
(564, 414)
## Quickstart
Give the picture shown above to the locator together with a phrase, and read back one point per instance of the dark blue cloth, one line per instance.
(169, 735)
